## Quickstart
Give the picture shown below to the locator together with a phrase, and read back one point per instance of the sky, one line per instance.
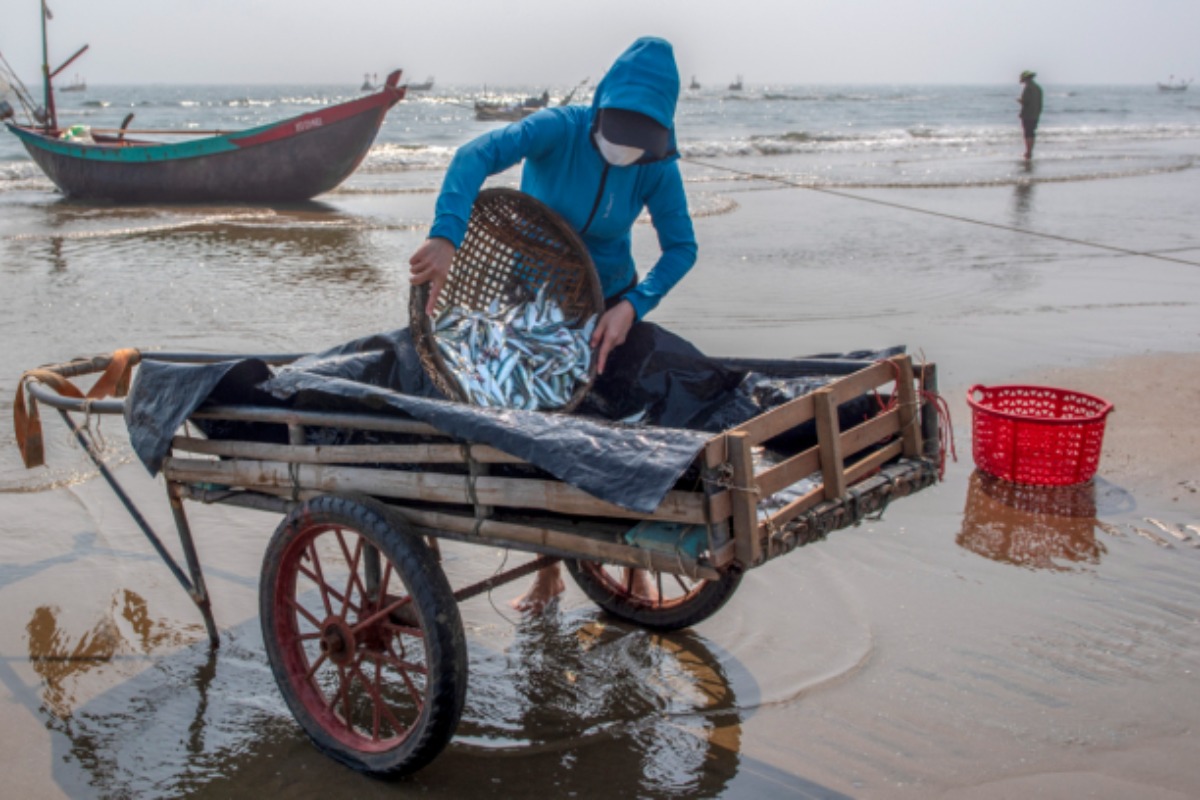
(560, 42)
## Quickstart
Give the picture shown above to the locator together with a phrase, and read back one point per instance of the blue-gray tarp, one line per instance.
(680, 396)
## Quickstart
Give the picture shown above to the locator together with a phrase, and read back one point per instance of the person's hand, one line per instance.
(611, 331)
(431, 264)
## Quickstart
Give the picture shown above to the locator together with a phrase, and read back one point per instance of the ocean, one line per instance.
(881, 135)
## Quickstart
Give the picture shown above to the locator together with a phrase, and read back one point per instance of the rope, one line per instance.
(945, 430)
(943, 215)
(27, 424)
(724, 480)
(99, 442)
(294, 478)
(887, 499)
(17, 86)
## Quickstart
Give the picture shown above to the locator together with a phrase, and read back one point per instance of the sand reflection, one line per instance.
(62, 657)
(1050, 528)
(653, 713)
(571, 704)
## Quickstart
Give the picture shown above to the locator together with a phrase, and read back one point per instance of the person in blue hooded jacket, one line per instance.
(599, 167)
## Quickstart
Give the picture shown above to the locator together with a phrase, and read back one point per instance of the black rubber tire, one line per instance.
(382, 696)
(696, 601)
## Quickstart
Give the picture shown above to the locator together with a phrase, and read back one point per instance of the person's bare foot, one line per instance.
(547, 585)
(642, 587)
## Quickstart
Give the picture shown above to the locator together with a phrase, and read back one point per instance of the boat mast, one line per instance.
(51, 121)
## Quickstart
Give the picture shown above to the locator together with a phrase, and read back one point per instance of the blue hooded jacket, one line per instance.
(565, 171)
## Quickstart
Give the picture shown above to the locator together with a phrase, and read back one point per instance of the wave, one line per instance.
(393, 157)
(920, 137)
(20, 172)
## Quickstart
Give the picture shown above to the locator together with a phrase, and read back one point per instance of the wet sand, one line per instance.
(974, 643)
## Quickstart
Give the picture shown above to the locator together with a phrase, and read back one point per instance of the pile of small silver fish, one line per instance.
(522, 355)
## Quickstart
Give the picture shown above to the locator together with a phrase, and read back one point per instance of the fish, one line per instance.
(524, 353)
(1111, 530)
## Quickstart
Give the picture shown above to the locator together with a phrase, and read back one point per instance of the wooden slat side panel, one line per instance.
(500, 534)
(910, 429)
(720, 506)
(747, 544)
(716, 452)
(863, 468)
(320, 419)
(343, 454)
(563, 499)
(865, 380)
(585, 546)
(797, 507)
(874, 430)
(829, 442)
(433, 487)
(785, 473)
(796, 412)
(780, 419)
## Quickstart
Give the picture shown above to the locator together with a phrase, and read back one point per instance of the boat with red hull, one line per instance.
(292, 160)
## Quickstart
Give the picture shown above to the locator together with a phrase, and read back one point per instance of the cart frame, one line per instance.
(422, 485)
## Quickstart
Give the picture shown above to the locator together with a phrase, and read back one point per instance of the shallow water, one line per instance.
(968, 639)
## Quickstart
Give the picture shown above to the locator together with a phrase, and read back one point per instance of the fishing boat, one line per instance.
(489, 111)
(694, 84)
(502, 112)
(422, 87)
(287, 161)
(1173, 85)
(77, 85)
(736, 86)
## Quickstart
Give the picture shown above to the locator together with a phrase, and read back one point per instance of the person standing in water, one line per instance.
(598, 167)
(1031, 109)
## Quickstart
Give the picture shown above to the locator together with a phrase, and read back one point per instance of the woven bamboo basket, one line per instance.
(515, 245)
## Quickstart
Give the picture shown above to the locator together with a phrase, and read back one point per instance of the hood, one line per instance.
(644, 79)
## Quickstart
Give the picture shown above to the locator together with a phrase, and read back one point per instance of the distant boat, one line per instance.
(421, 87)
(367, 86)
(511, 112)
(736, 86)
(694, 84)
(1173, 85)
(77, 85)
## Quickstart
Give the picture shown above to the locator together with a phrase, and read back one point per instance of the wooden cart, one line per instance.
(360, 623)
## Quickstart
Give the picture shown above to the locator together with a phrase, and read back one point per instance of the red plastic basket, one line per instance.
(1037, 435)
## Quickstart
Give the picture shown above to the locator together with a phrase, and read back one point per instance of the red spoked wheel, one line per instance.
(363, 634)
(657, 600)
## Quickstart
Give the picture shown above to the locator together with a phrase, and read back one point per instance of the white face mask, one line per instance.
(618, 155)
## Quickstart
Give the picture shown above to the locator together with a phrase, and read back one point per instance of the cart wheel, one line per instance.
(363, 635)
(663, 601)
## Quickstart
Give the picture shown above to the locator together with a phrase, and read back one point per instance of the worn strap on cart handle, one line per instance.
(114, 382)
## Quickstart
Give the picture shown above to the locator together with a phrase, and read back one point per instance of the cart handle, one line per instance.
(50, 385)
(114, 382)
